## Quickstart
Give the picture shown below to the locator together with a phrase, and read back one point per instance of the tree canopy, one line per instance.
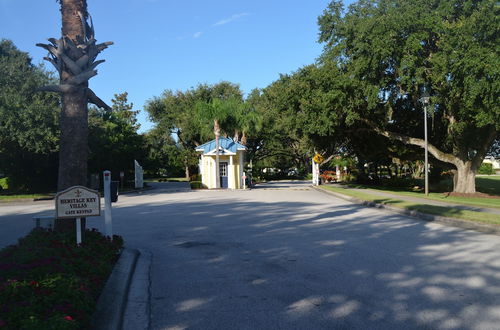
(392, 51)
(29, 131)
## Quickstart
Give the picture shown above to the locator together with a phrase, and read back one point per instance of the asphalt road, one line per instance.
(284, 256)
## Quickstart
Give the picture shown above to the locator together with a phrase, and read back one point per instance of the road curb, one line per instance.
(464, 224)
(111, 304)
(137, 314)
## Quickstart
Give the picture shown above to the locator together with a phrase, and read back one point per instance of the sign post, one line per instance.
(77, 202)
(122, 175)
(107, 204)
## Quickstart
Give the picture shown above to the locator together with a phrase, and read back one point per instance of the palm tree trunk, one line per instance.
(217, 170)
(73, 152)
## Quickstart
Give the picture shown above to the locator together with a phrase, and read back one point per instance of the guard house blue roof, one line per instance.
(226, 144)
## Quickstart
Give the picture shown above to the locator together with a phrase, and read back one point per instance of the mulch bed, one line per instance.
(475, 195)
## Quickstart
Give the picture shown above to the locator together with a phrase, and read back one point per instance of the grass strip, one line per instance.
(7, 198)
(441, 197)
(480, 217)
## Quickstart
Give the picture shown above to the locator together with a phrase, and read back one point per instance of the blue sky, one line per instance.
(166, 44)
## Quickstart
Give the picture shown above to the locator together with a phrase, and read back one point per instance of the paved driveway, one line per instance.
(283, 256)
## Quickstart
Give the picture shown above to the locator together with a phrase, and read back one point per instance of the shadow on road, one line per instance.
(224, 263)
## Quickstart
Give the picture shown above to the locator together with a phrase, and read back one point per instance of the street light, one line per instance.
(425, 101)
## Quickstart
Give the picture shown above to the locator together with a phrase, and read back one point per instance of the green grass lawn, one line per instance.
(9, 198)
(489, 184)
(484, 184)
(429, 209)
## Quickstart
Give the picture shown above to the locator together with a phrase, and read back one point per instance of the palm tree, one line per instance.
(247, 120)
(73, 56)
(217, 111)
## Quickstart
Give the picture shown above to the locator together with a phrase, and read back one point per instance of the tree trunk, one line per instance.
(464, 179)
(217, 170)
(244, 139)
(73, 152)
(465, 174)
(186, 168)
(74, 57)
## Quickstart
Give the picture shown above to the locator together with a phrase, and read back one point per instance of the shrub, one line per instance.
(195, 177)
(4, 185)
(197, 185)
(48, 282)
(486, 168)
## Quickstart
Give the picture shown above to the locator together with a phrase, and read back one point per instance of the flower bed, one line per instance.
(329, 176)
(48, 282)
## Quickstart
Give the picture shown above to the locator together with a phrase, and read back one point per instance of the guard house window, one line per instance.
(223, 169)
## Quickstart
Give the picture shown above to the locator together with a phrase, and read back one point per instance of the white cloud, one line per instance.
(197, 34)
(230, 19)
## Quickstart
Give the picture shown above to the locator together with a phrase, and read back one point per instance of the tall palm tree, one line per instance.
(217, 111)
(74, 57)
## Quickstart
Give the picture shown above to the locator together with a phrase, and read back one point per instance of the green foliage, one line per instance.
(391, 51)
(165, 156)
(189, 116)
(195, 177)
(29, 131)
(486, 168)
(4, 184)
(48, 282)
(113, 139)
(197, 185)
(177, 112)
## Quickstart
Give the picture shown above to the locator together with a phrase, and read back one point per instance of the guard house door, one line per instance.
(223, 175)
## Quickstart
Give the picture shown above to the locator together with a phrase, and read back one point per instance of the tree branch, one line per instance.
(96, 63)
(483, 150)
(103, 46)
(82, 61)
(82, 77)
(327, 160)
(75, 69)
(442, 156)
(94, 99)
(64, 88)
(54, 63)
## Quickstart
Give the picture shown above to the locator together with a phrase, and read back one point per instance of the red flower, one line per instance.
(68, 318)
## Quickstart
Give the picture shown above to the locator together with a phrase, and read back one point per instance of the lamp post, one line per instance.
(425, 101)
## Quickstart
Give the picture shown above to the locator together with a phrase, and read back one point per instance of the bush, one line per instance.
(4, 185)
(197, 185)
(48, 282)
(486, 168)
(195, 177)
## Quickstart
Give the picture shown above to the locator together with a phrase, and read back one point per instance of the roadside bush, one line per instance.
(195, 177)
(197, 185)
(4, 184)
(486, 168)
(48, 282)
(347, 177)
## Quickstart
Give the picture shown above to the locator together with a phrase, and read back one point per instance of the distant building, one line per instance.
(231, 158)
(495, 162)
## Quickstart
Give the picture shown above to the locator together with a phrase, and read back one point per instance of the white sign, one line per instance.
(78, 202)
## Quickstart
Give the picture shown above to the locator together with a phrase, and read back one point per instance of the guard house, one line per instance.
(231, 157)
